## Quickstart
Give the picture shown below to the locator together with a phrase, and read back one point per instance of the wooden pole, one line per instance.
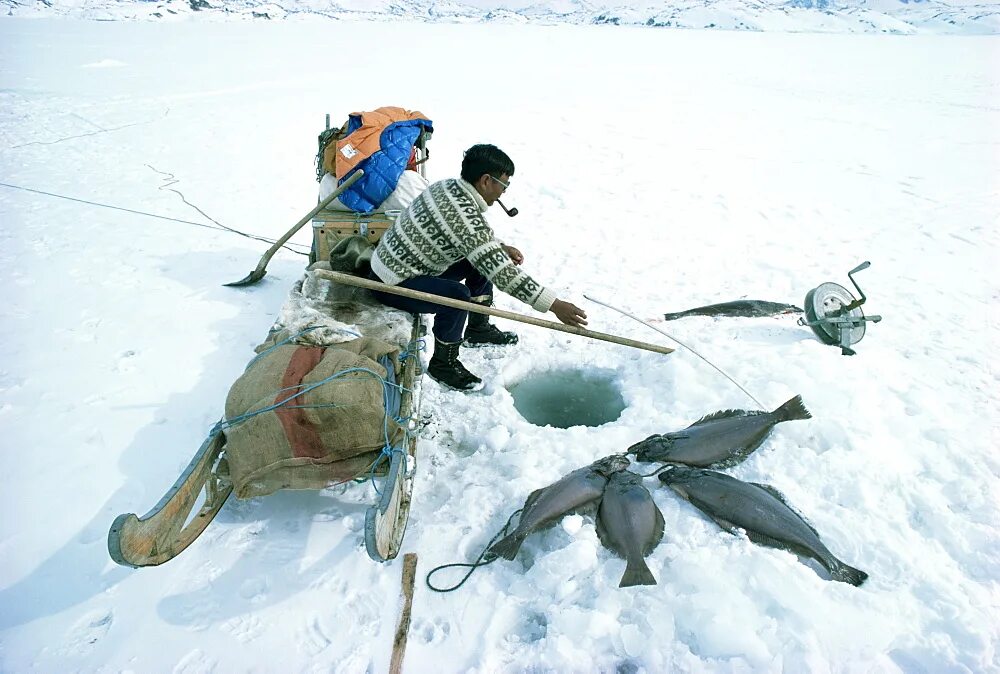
(399, 641)
(359, 282)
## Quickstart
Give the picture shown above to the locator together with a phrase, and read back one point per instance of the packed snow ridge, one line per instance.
(827, 16)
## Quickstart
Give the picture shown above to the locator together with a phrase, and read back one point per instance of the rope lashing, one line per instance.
(302, 389)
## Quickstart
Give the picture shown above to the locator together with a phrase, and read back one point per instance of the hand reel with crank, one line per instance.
(835, 316)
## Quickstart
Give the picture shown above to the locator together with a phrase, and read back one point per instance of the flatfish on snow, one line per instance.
(630, 524)
(546, 505)
(719, 439)
(761, 511)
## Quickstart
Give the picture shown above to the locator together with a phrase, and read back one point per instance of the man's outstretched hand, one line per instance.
(570, 314)
(513, 253)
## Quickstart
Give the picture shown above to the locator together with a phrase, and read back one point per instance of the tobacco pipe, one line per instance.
(511, 213)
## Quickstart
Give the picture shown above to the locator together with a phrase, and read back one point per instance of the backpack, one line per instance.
(381, 143)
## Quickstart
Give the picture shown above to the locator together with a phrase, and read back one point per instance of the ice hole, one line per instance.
(565, 398)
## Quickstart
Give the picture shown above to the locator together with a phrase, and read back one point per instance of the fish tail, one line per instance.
(846, 573)
(675, 316)
(792, 410)
(507, 546)
(637, 573)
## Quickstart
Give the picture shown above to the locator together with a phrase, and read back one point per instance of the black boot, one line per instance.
(447, 369)
(480, 332)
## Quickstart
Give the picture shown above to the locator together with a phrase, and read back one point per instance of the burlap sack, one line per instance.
(327, 434)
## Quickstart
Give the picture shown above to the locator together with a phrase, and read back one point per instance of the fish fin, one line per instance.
(784, 501)
(766, 541)
(740, 454)
(726, 414)
(637, 573)
(678, 489)
(586, 508)
(657, 533)
(772, 491)
(725, 524)
(529, 502)
(792, 410)
(846, 573)
(507, 546)
(602, 535)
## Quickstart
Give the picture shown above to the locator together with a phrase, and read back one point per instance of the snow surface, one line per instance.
(655, 170)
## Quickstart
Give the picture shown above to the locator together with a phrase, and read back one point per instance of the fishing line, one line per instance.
(662, 332)
(659, 470)
(154, 215)
(489, 556)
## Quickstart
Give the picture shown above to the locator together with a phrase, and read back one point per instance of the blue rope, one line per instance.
(387, 448)
(292, 338)
(281, 343)
(412, 349)
(387, 453)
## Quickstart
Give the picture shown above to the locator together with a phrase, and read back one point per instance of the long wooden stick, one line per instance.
(399, 641)
(359, 282)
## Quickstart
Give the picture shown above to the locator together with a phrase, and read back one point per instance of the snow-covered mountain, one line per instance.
(830, 16)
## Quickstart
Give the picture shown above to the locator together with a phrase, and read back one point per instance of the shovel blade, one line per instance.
(258, 273)
(251, 278)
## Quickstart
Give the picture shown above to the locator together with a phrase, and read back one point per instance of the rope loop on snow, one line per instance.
(485, 557)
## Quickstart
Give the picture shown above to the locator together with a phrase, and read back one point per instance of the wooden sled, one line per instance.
(194, 500)
(191, 504)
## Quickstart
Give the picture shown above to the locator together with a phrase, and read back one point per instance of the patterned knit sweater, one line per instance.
(442, 226)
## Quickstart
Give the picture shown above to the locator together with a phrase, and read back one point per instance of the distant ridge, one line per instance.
(903, 17)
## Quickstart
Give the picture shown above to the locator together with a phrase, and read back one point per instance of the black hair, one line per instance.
(483, 159)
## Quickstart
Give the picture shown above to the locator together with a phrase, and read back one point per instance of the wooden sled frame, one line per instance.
(166, 530)
(329, 227)
(385, 522)
(174, 522)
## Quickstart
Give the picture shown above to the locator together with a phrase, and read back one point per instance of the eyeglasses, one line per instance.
(505, 185)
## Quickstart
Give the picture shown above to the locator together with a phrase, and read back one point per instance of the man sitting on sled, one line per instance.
(442, 244)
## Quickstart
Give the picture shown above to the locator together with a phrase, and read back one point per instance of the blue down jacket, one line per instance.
(384, 166)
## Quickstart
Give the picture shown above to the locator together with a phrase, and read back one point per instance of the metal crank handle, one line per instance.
(857, 303)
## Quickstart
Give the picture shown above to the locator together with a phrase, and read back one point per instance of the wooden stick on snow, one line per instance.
(399, 641)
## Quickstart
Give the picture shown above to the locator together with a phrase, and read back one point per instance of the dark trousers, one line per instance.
(449, 323)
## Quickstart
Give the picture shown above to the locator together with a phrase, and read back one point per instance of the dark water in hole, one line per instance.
(564, 398)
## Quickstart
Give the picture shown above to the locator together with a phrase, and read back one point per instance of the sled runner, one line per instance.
(320, 322)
